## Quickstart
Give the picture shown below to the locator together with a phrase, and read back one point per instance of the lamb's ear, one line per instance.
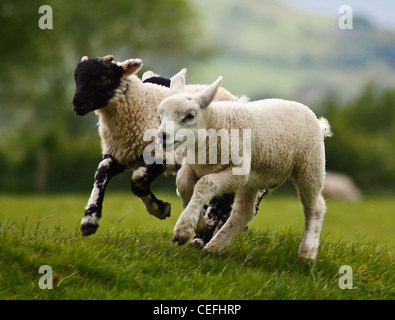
(177, 83)
(130, 66)
(181, 72)
(107, 58)
(206, 97)
(148, 74)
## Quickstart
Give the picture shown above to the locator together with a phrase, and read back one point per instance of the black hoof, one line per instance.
(89, 229)
(168, 207)
(197, 243)
(175, 239)
(180, 242)
(164, 210)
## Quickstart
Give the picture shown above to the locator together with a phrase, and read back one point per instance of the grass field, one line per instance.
(132, 257)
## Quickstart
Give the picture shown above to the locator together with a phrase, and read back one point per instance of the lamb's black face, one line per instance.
(96, 80)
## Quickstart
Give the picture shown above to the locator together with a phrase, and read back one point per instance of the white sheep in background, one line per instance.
(126, 108)
(340, 186)
(287, 140)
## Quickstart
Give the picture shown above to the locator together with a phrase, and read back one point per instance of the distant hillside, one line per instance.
(381, 12)
(267, 48)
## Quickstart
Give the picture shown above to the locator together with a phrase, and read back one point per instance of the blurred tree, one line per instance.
(364, 135)
(36, 65)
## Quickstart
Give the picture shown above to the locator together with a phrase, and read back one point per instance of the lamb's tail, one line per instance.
(243, 98)
(325, 127)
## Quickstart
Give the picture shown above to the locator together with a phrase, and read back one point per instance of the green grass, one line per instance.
(132, 257)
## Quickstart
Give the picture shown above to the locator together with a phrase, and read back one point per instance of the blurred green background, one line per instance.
(262, 48)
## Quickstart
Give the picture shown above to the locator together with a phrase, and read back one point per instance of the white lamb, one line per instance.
(287, 140)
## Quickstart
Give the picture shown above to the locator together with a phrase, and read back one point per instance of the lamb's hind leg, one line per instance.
(218, 212)
(242, 213)
(314, 209)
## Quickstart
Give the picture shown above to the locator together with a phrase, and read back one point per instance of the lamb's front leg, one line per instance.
(107, 168)
(208, 186)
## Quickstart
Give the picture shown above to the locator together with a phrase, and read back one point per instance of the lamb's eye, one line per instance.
(188, 117)
(102, 81)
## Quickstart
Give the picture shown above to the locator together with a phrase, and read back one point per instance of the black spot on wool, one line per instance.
(159, 80)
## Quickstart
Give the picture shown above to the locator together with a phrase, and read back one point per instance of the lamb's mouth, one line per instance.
(171, 145)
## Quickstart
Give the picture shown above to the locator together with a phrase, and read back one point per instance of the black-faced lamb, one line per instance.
(285, 140)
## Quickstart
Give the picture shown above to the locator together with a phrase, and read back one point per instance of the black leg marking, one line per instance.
(218, 212)
(261, 194)
(141, 186)
(106, 169)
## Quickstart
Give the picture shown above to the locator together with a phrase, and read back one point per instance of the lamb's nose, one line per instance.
(76, 102)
